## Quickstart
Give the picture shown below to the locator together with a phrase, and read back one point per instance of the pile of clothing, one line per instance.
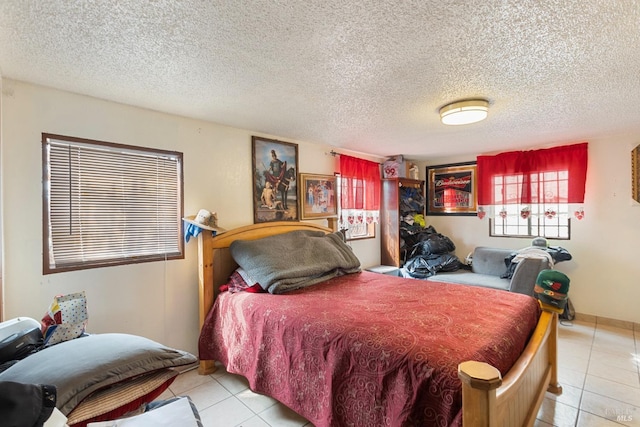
(539, 249)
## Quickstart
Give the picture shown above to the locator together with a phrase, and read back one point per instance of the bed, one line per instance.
(372, 349)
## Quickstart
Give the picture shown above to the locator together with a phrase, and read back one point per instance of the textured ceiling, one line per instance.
(368, 76)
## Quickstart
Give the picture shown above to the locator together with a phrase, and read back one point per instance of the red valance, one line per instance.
(360, 183)
(569, 158)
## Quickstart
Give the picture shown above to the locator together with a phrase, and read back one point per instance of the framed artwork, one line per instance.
(452, 189)
(635, 174)
(275, 167)
(317, 196)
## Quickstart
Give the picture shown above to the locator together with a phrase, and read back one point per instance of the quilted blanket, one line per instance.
(368, 349)
(294, 260)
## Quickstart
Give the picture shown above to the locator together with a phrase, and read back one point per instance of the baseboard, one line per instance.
(599, 320)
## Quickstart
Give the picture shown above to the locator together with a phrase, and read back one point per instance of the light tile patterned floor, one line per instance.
(599, 372)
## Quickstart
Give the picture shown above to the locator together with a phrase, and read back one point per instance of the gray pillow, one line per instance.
(83, 365)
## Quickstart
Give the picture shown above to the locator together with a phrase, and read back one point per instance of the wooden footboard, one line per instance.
(489, 400)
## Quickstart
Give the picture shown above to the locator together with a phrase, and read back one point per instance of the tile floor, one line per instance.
(599, 373)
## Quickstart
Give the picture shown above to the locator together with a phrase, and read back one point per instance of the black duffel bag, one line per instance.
(433, 244)
(423, 266)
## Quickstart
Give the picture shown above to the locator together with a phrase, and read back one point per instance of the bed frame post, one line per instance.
(554, 385)
(205, 289)
(479, 383)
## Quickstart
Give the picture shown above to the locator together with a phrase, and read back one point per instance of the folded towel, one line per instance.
(191, 230)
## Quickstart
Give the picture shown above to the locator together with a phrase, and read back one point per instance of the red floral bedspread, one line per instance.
(368, 349)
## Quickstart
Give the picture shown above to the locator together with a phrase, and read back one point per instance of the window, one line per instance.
(109, 204)
(356, 223)
(359, 184)
(533, 193)
(549, 219)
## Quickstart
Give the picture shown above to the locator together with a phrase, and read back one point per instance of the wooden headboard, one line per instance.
(215, 263)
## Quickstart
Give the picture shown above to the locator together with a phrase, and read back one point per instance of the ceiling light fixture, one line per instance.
(464, 112)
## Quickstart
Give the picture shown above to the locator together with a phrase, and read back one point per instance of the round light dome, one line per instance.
(464, 112)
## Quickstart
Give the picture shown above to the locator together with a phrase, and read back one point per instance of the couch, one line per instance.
(488, 264)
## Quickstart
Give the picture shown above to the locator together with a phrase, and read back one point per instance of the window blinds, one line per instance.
(109, 204)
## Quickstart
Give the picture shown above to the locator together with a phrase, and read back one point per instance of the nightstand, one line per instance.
(385, 269)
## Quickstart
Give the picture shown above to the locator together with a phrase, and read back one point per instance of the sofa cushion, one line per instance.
(468, 278)
(490, 260)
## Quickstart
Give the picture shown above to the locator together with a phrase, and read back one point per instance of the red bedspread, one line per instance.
(368, 349)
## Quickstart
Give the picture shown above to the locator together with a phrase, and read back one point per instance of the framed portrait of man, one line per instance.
(275, 192)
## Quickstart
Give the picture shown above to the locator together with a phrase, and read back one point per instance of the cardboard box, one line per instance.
(394, 167)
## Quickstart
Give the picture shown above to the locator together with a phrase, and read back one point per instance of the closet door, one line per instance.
(389, 224)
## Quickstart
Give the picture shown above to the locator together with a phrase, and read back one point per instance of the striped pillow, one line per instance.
(122, 398)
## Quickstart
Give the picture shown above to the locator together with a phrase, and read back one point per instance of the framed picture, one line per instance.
(452, 189)
(317, 196)
(275, 167)
(635, 174)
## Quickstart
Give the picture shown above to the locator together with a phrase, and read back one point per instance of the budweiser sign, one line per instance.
(459, 180)
(453, 182)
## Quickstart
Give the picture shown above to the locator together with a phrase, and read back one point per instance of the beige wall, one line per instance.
(605, 244)
(157, 300)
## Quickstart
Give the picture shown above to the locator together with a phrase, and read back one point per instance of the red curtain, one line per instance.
(570, 158)
(360, 183)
